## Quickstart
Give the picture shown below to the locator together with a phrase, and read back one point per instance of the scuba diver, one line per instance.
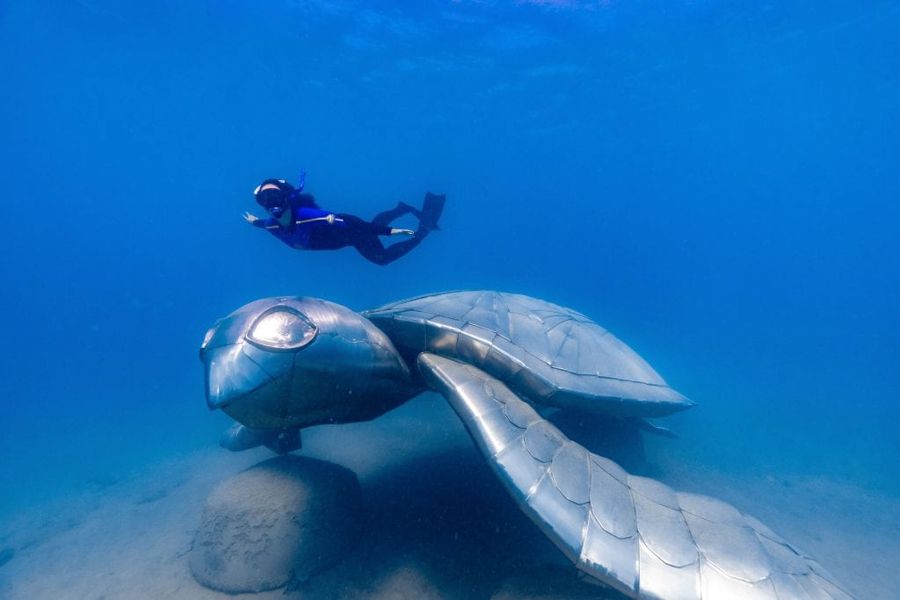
(298, 221)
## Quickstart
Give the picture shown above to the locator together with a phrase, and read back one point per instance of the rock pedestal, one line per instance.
(285, 518)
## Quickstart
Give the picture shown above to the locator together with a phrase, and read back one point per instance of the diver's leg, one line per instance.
(388, 216)
(428, 217)
(355, 227)
(373, 250)
(345, 232)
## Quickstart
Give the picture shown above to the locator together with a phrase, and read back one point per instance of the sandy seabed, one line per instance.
(437, 525)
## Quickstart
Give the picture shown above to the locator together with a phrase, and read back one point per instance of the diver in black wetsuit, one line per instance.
(298, 221)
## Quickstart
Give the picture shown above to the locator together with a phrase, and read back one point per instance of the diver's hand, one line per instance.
(402, 232)
(250, 218)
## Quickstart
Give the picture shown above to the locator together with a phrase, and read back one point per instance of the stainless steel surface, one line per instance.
(279, 364)
(284, 363)
(281, 441)
(546, 353)
(633, 534)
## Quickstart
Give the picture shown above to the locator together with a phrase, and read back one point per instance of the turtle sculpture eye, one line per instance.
(281, 328)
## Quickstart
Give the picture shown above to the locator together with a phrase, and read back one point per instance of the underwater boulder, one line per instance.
(282, 519)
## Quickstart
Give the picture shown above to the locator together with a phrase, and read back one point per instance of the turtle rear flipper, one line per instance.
(631, 533)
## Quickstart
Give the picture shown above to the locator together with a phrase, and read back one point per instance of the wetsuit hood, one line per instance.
(275, 199)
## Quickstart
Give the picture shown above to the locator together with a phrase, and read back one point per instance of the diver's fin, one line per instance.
(630, 533)
(432, 207)
(239, 437)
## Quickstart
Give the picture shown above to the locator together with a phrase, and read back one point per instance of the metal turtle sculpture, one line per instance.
(280, 364)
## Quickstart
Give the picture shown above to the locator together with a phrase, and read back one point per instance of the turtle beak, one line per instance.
(230, 375)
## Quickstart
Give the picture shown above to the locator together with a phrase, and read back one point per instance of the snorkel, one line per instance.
(301, 182)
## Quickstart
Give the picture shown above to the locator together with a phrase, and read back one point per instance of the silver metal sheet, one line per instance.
(783, 558)
(817, 568)
(710, 509)
(518, 470)
(734, 550)
(829, 587)
(441, 337)
(543, 440)
(560, 519)
(612, 559)
(617, 472)
(570, 473)
(448, 305)
(714, 585)
(665, 532)
(497, 431)
(485, 316)
(762, 529)
(475, 344)
(654, 491)
(811, 586)
(565, 351)
(611, 504)
(505, 365)
(478, 402)
(787, 587)
(406, 334)
(660, 581)
(534, 384)
(520, 414)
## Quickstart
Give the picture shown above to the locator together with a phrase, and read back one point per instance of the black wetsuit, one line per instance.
(312, 228)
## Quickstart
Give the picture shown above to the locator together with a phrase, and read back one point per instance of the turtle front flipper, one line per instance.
(240, 437)
(631, 533)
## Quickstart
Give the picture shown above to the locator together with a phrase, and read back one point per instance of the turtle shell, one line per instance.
(546, 353)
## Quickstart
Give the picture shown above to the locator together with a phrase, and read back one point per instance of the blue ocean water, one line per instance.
(715, 182)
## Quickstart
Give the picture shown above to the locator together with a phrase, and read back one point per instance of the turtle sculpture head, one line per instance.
(291, 362)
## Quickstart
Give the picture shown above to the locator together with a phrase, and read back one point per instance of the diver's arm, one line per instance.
(260, 223)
